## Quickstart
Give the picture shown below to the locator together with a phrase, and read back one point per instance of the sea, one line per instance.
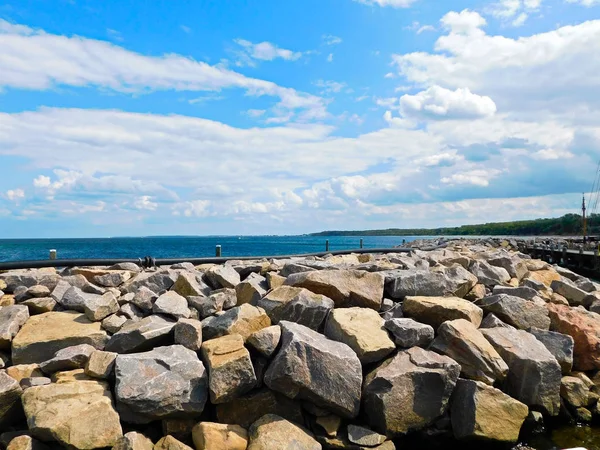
(186, 246)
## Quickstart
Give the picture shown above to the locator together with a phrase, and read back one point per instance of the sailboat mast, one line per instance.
(584, 218)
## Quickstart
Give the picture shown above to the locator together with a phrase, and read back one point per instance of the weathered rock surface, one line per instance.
(188, 332)
(149, 332)
(515, 311)
(113, 323)
(570, 291)
(364, 437)
(222, 277)
(534, 374)
(409, 391)
(311, 367)
(525, 292)
(190, 284)
(12, 318)
(491, 321)
(444, 281)
(172, 304)
(170, 443)
(10, 399)
(252, 289)
(243, 320)
(98, 307)
(272, 432)
(408, 333)
(25, 442)
(174, 383)
(344, 287)
(487, 274)
(265, 341)
(513, 265)
(574, 391)
(79, 414)
(40, 305)
(68, 358)
(45, 334)
(464, 343)
(219, 436)
(296, 304)
(112, 279)
(560, 345)
(158, 282)
(362, 329)
(100, 364)
(133, 441)
(436, 310)
(482, 411)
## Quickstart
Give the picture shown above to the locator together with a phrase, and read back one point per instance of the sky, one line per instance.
(173, 117)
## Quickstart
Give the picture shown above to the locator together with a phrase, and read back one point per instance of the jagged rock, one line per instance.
(477, 293)
(365, 437)
(188, 332)
(219, 436)
(455, 281)
(78, 414)
(513, 265)
(546, 276)
(296, 304)
(74, 299)
(345, 287)
(25, 442)
(26, 383)
(330, 424)
(515, 311)
(69, 358)
(249, 408)
(533, 375)
(436, 310)
(172, 304)
(293, 268)
(560, 345)
(570, 291)
(170, 443)
(491, 321)
(408, 391)
(112, 279)
(252, 289)
(7, 299)
(274, 280)
(488, 274)
(583, 415)
(361, 329)
(113, 323)
(585, 284)
(272, 432)
(574, 391)
(190, 284)
(47, 333)
(409, 333)
(38, 291)
(10, 399)
(325, 372)
(131, 312)
(100, 364)
(482, 411)
(522, 291)
(463, 342)
(174, 383)
(12, 318)
(40, 305)
(144, 298)
(222, 277)
(158, 282)
(243, 320)
(149, 332)
(15, 278)
(230, 370)
(584, 328)
(98, 307)
(133, 441)
(265, 341)
(20, 371)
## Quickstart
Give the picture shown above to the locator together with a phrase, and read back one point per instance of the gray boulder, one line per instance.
(409, 333)
(513, 265)
(570, 291)
(488, 274)
(219, 300)
(515, 311)
(70, 358)
(172, 304)
(525, 292)
(311, 367)
(60, 289)
(12, 318)
(159, 282)
(222, 277)
(144, 298)
(188, 332)
(142, 335)
(112, 279)
(252, 289)
(491, 321)
(243, 320)
(442, 281)
(74, 299)
(190, 284)
(10, 399)
(265, 341)
(560, 345)
(98, 307)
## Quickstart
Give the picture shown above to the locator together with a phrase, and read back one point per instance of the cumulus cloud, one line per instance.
(439, 103)
(145, 202)
(14, 195)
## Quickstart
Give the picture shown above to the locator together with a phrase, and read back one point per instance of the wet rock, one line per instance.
(100, 364)
(112, 279)
(252, 289)
(408, 391)
(570, 291)
(522, 291)
(365, 437)
(409, 333)
(441, 281)
(133, 441)
(491, 321)
(345, 287)
(172, 304)
(515, 311)
(69, 358)
(296, 304)
(574, 391)
(488, 274)
(265, 341)
(272, 432)
(190, 284)
(219, 436)
(222, 277)
(40, 305)
(243, 320)
(481, 411)
(436, 310)
(149, 332)
(534, 375)
(10, 399)
(113, 323)
(560, 345)
(78, 414)
(12, 318)
(144, 298)
(188, 332)
(230, 370)
(362, 329)
(463, 342)
(174, 384)
(47, 333)
(98, 307)
(325, 372)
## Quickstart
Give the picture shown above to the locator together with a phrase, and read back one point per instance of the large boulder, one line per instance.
(190, 284)
(145, 334)
(481, 411)
(436, 310)
(409, 333)
(188, 332)
(272, 432)
(12, 318)
(296, 304)
(544, 276)
(265, 341)
(534, 374)
(97, 307)
(344, 287)
(584, 328)
(440, 281)
(252, 289)
(230, 370)
(409, 391)
(311, 367)
(45, 334)
(243, 320)
(10, 399)
(515, 311)
(70, 358)
(78, 414)
(362, 329)
(158, 282)
(29, 277)
(219, 436)
(464, 343)
(488, 274)
(512, 264)
(570, 291)
(162, 383)
(133, 441)
(113, 278)
(560, 345)
(172, 304)
(526, 292)
(222, 276)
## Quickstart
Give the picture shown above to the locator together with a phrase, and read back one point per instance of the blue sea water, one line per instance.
(185, 246)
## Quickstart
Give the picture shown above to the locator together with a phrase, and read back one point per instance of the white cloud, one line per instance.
(549, 154)
(392, 3)
(42, 181)
(517, 9)
(520, 20)
(330, 57)
(585, 2)
(329, 39)
(145, 202)
(440, 103)
(474, 177)
(464, 22)
(330, 86)
(266, 51)
(425, 28)
(14, 195)
(256, 112)
(11, 28)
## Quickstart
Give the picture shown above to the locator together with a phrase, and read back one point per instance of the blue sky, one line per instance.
(270, 117)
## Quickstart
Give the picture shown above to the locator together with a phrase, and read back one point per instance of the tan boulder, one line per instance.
(25, 442)
(272, 432)
(21, 371)
(78, 414)
(477, 293)
(274, 280)
(68, 376)
(219, 436)
(436, 310)
(545, 276)
(100, 364)
(10, 399)
(171, 443)
(133, 441)
(243, 320)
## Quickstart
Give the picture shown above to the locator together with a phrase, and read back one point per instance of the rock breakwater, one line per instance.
(472, 341)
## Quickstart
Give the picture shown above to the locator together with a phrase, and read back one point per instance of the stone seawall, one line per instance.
(474, 341)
